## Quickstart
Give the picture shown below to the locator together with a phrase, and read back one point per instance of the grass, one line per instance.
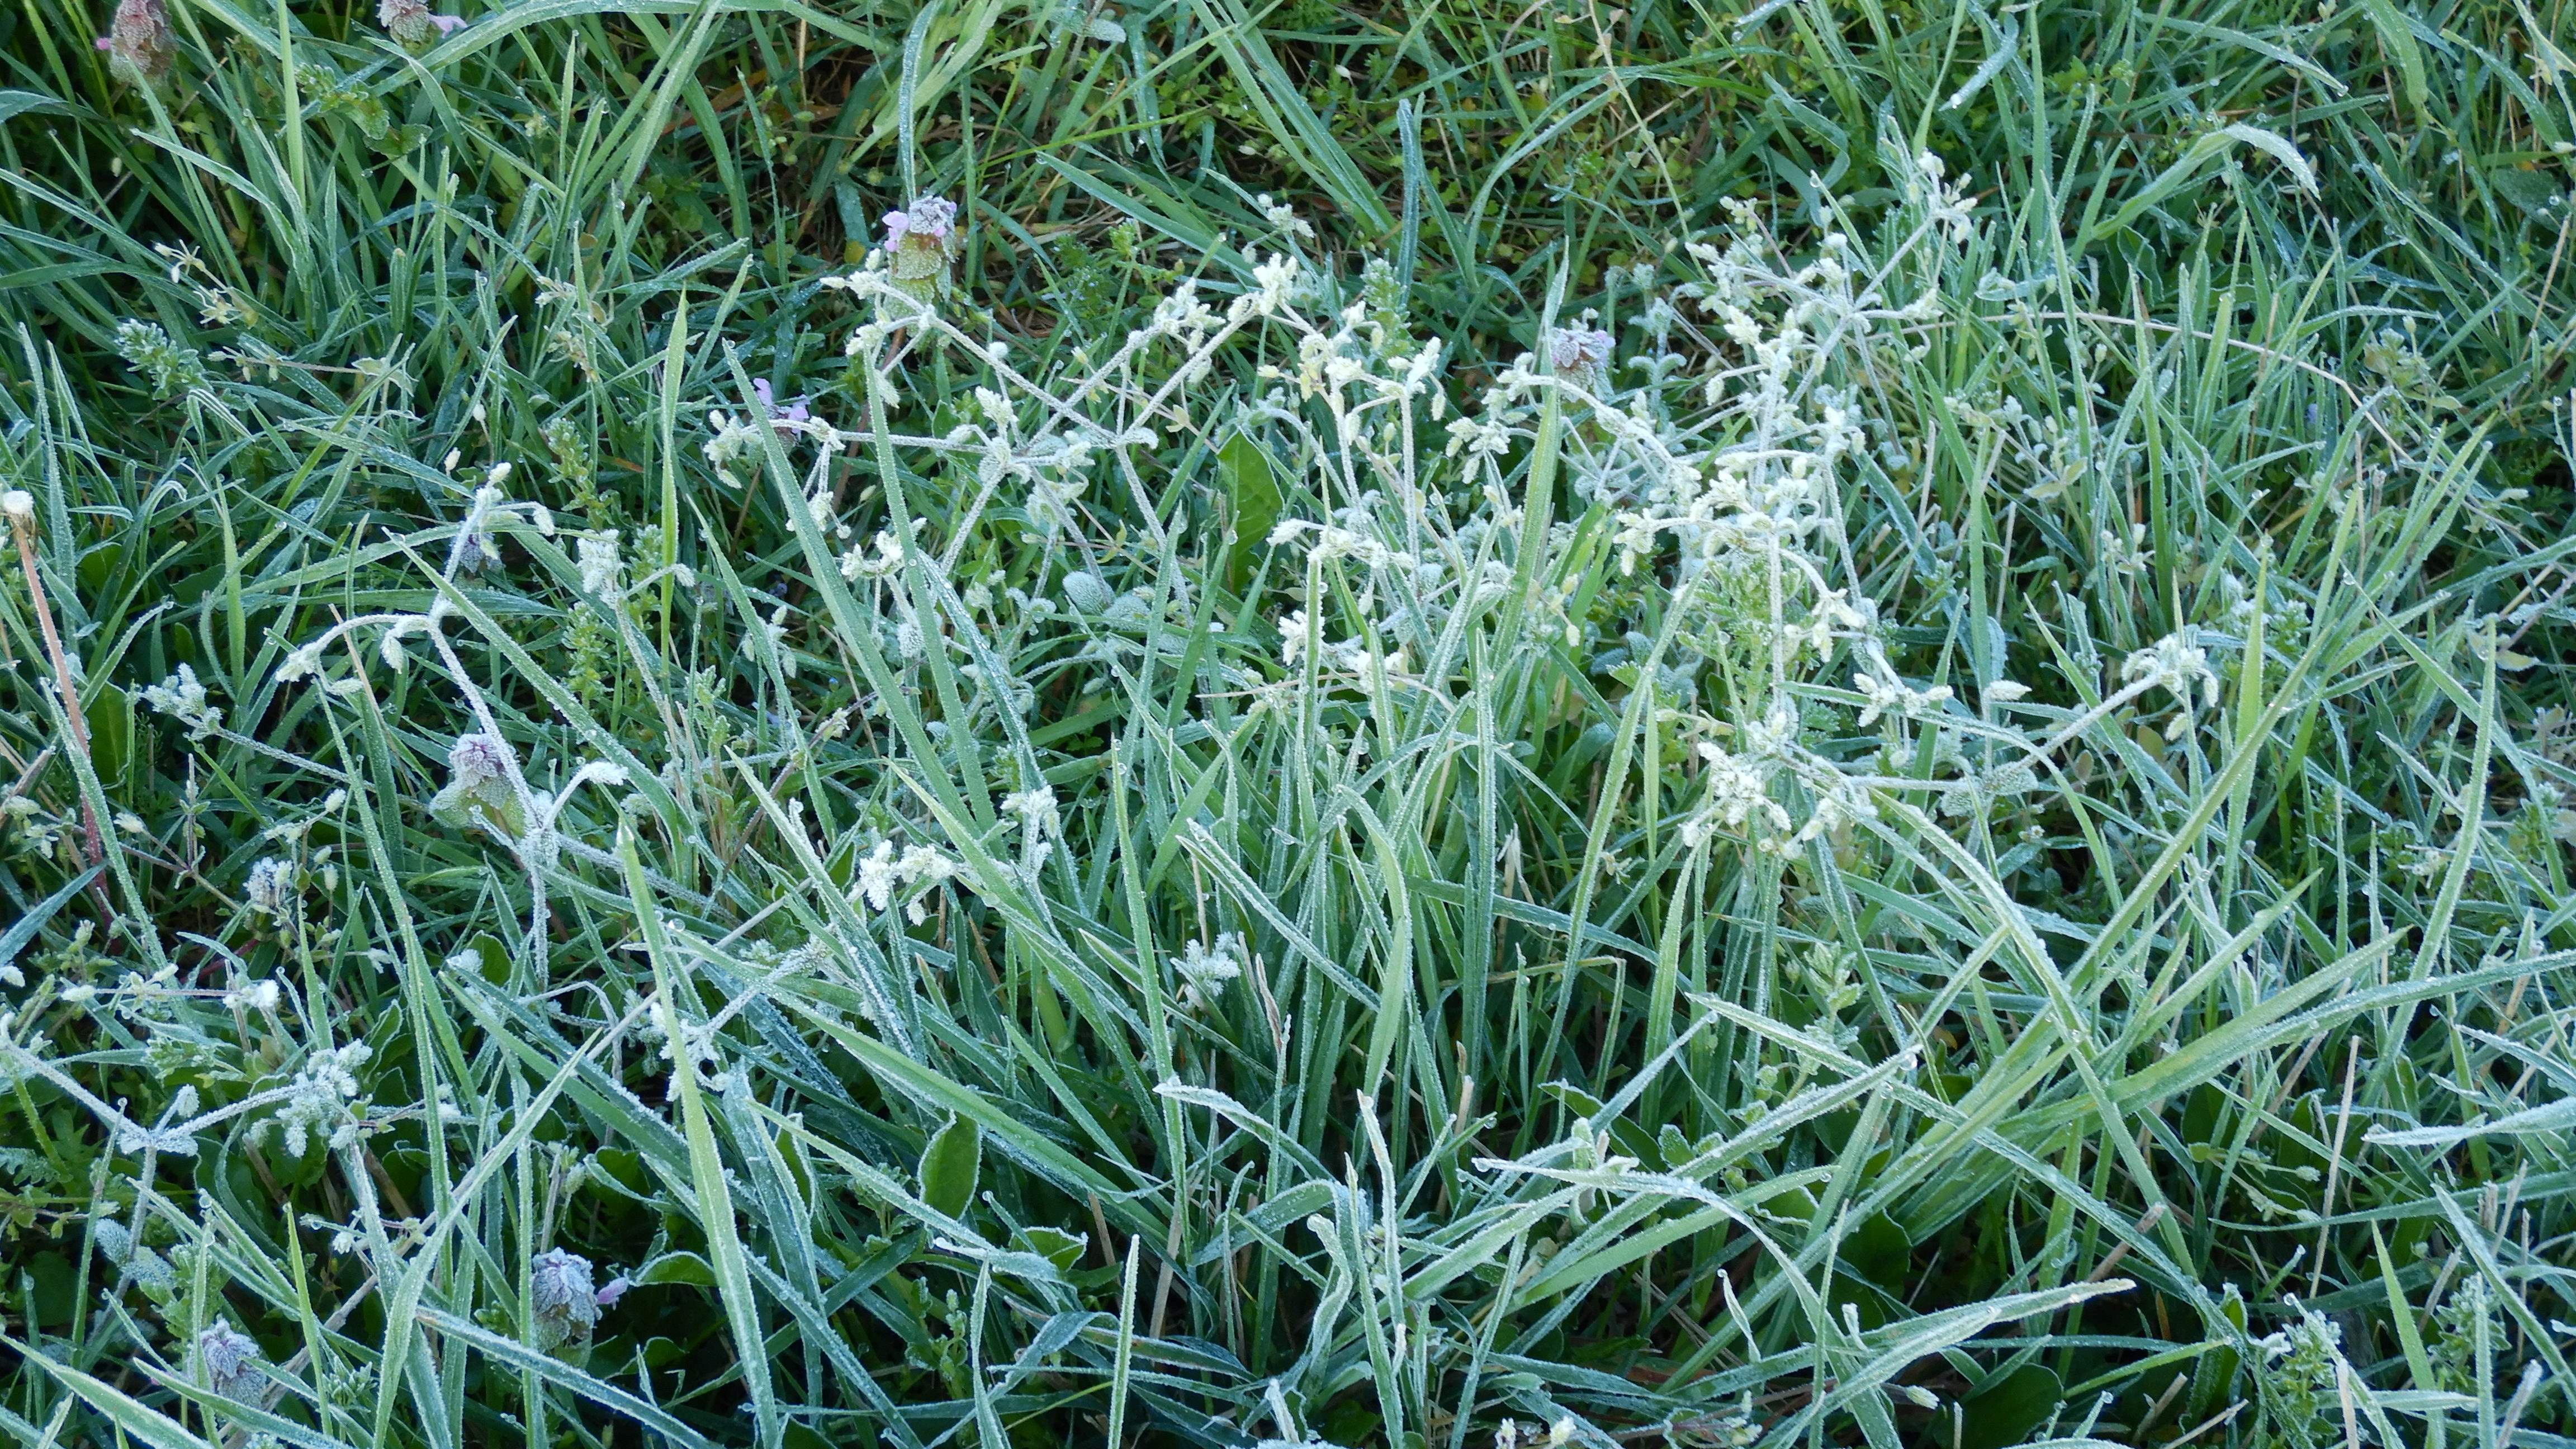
(1474, 725)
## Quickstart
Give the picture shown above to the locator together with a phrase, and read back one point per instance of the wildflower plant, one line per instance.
(1879, 792)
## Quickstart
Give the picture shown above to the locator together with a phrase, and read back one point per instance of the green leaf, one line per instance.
(685, 1269)
(14, 104)
(2005, 1411)
(949, 1166)
(110, 714)
(492, 957)
(1252, 490)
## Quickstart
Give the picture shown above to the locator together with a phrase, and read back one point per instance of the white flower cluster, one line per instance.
(2178, 665)
(273, 890)
(318, 1100)
(1204, 969)
(182, 698)
(884, 877)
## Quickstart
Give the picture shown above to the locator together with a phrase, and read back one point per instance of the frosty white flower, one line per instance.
(1035, 806)
(271, 890)
(774, 631)
(261, 996)
(228, 1360)
(1292, 637)
(734, 439)
(1283, 217)
(317, 1100)
(856, 564)
(1882, 696)
(1204, 970)
(1578, 349)
(1272, 281)
(182, 698)
(19, 504)
(1738, 791)
(602, 565)
(304, 662)
(882, 875)
(2175, 664)
(562, 1304)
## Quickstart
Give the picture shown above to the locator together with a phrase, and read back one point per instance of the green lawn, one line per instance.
(1434, 725)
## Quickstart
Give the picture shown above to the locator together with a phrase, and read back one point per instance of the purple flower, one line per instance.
(930, 217)
(794, 412)
(138, 43)
(561, 1300)
(411, 23)
(229, 1360)
(613, 1290)
(1578, 349)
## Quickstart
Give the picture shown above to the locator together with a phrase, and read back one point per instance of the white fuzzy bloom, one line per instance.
(2174, 663)
(182, 698)
(882, 876)
(318, 1099)
(1891, 696)
(1205, 969)
(602, 565)
(19, 504)
(1739, 795)
(1036, 807)
(1272, 281)
(271, 890)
